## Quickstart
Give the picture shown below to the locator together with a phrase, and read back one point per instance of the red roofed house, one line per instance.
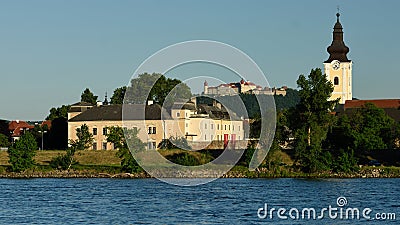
(17, 128)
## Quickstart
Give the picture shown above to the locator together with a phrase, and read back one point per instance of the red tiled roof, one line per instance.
(15, 127)
(46, 122)
(380, 103)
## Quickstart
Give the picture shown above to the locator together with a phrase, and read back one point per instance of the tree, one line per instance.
(88, 96)
(66, 160)
(118, 96)
(4, 142)
(60, 112)
(366, 128)
(21, 153)
(158, 87)
(312, 119)
(85, 138)
(119, 137)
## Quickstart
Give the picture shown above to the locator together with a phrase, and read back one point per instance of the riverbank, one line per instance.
(105, 164)
(236, 172)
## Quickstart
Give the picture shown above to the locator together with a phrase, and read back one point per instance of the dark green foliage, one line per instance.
(4, 128)
(174, 143)
(121, 137)
(158, 87)
(4, 142)
(184, 159)
(364, 129)
(60, 112)
(21, 153)
(118, 96)
(85, 138)
(345, 162)
(312, 120)
(57, 136)
(290, 100)
(88, 96)
(247, 155)
(65, 161)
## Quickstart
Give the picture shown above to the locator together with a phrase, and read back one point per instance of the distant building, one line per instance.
(17, 128)
(245, 87)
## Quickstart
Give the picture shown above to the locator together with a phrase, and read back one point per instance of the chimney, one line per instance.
(17, 121)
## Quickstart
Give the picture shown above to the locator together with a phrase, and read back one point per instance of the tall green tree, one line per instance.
(118, 96)
(158, 87)
(4, 142)
(88, 96)
(312, 119)
(85, 138)
(119, 137)
(21, 153)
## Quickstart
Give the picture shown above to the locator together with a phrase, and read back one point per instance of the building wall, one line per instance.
(150, 132)
(197, 128)
(343, 90)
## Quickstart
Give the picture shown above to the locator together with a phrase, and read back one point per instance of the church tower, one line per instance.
(338, 68)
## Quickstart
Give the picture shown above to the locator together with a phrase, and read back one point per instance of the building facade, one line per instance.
(199, 125)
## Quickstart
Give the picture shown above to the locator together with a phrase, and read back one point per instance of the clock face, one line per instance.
(336, 65)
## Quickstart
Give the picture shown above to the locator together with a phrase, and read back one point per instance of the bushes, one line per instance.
(184, 159)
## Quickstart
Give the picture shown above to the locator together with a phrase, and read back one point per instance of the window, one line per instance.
(94, 146)
(104, 145)
(225, 127)
(105, 131)
(218, 137)
(212, 137)
(239, 137)
(205, 137)
(217, 126)
(149, 132)
(233, 127)
(212, 126)
(154, 130)
(239, 128)
(336, 81)
(94, 131)
(178, 114)
(229, 127)
(205, 126)
(187, 125)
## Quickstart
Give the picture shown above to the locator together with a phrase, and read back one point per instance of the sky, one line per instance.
(52, 50)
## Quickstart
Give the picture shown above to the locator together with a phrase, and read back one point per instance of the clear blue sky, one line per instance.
(52, 50)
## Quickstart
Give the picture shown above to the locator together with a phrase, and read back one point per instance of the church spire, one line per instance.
(338, 50)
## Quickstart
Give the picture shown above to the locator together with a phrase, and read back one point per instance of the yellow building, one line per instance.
(199, 125)
(338, 68)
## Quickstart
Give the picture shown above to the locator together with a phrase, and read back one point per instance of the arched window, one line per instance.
(336, 81)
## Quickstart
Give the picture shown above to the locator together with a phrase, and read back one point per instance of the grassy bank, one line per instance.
(107, 164)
